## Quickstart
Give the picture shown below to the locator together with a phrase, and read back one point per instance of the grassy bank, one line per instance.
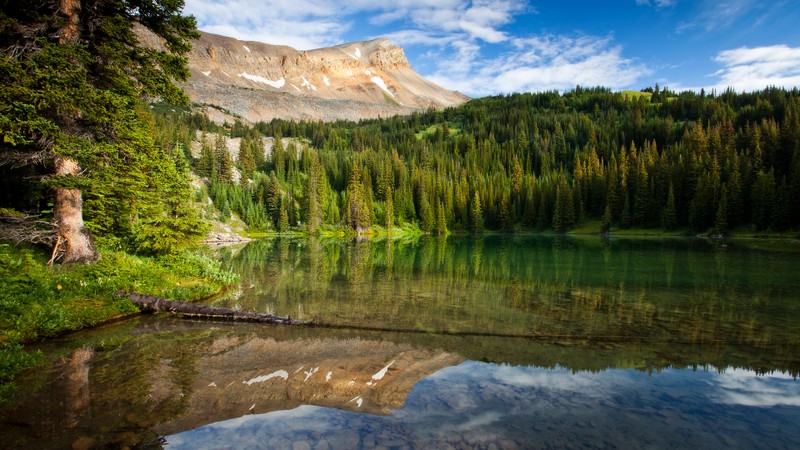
(38, 301)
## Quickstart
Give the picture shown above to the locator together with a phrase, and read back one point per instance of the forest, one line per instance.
(693, 162)
(94, 148)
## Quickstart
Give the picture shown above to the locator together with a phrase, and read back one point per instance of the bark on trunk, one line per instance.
(70, 10)
(77, 243)
(152, 303)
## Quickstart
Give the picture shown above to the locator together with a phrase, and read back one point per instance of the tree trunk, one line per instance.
(78, 246)
(68, 213)
(70, 31)
(152, 303)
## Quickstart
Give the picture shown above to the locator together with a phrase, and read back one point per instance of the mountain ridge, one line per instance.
(255, 81)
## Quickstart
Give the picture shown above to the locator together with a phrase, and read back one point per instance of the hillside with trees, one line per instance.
(523, 162)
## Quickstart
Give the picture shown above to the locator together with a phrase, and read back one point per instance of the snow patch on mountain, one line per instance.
(381, 84)
(277, 84)
(307, 84)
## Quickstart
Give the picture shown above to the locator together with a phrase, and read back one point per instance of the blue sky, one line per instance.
(485, 47)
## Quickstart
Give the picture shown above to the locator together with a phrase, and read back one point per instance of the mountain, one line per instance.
(259, 82)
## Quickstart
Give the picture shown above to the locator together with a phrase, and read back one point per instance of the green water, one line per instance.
(493, 342)
(590, 289)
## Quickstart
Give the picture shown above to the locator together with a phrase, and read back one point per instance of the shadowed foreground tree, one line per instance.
(73, 74)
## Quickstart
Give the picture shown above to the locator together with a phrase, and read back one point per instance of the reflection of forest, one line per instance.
(674, 291)
(142, 378)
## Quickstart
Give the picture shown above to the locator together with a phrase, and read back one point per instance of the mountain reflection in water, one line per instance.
(523, 342)
(481, 405)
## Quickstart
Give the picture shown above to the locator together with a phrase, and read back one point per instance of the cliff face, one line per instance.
(353, 81)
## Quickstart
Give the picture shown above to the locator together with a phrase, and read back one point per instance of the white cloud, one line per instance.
(455, 36)
(306, 24)
(302, 24)
(657, 3)
(745, 387)
(750, 69)
(714, 15)
(543, 63)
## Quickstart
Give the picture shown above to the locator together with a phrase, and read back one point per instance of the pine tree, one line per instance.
(669, 219)
(73, 74)
(283, 216)
(358, 215)
(605, 225)
(205, 165)
(223, 163)
(247, 160)
(625, 216)
(642, 196)
(506, 222)
(272, 198)
(441, 220)
(721, 220)
(763, 199)
(427, 216)
(476, 214)
(564, 212)
(313, 194)
(735, 199)
(389, 207)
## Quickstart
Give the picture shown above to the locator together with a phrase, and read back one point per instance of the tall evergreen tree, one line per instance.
(358, 216)
(441, 220)
(669, 216)
(247, 160)
(476, 214)
(721, 220)
(389, 209)
(72, 73)
(763, 199)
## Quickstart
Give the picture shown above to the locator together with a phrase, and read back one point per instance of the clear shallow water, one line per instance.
(680, 290)
(506, 342)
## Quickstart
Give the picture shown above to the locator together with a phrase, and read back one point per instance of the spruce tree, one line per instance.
(283, 216)
(73, 73)
(247, 160)
(441, 220)
(605, 224)
(763, 199)
(669, 219)
(476, 214)
(721, 220)
(358, 216)
(389, 209)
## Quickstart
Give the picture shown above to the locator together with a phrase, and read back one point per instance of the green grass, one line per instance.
(38, 301)
(593, 227)
(634, 95)
(390, 100)
(432, 129)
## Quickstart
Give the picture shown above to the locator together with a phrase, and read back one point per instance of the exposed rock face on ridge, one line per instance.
(258, 81)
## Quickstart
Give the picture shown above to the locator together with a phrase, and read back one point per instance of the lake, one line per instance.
(463, 342)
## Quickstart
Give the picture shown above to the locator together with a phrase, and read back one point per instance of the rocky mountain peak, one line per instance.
(254, 81)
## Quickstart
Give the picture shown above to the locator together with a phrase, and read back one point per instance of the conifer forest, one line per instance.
(523, 162)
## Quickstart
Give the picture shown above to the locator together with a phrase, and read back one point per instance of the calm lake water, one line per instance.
(493, 342)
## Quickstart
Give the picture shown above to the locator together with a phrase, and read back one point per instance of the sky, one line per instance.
(489, 47)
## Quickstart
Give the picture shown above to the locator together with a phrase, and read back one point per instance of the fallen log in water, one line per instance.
(151, 303)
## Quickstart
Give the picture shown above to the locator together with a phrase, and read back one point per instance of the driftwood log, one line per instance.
(151, 303)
